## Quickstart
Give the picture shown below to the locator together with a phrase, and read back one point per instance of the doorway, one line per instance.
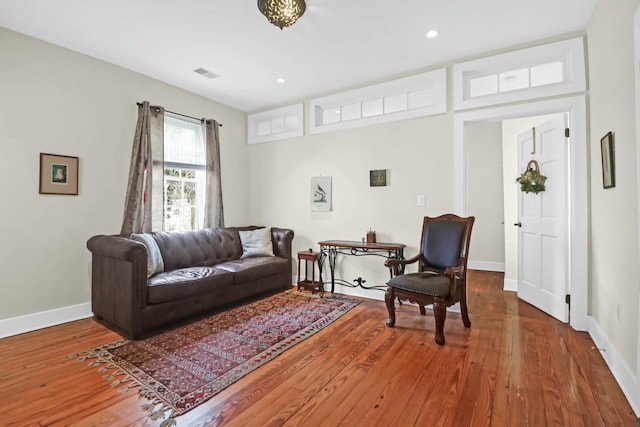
(575, 107)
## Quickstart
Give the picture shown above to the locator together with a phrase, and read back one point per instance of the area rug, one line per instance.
(183, 368)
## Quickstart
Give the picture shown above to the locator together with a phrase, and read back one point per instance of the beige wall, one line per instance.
(53, 100)
(615, 266)
(418, 158)
(484, 191)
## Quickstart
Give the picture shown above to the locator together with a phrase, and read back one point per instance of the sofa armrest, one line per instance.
(116, 247)
(282, 240)
(118, 282)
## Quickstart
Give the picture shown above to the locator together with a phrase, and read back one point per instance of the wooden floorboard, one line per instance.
(515, 366)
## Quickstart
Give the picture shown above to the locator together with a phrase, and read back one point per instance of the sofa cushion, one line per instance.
(254, 268)
(186, 283)
(256, 242)
(155, 263)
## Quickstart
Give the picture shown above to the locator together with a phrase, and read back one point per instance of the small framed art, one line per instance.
(378, 178)
(58, 174)
(608, 161)
(321, 193)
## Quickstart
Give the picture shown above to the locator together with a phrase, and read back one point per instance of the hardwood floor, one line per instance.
(515, 366)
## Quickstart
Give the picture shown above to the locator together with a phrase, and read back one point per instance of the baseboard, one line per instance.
(621, 372)
(486, 266)
(510, 285)
(44, 319)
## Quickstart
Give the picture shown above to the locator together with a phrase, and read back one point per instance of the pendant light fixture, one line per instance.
(282, 13)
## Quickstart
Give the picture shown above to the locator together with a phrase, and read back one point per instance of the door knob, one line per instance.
(518, 224)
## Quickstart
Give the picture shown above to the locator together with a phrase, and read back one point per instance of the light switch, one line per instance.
(421, 200)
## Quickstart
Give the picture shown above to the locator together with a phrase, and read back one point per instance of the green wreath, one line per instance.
(531, 180)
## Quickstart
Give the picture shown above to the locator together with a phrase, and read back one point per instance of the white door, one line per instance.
(543, 237)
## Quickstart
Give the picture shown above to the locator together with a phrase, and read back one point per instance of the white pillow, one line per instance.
(155, 263)
(256, 242)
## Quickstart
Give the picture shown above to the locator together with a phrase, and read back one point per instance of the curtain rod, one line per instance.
(139, 104)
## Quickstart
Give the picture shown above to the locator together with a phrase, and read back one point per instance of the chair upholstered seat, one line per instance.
(422, 283)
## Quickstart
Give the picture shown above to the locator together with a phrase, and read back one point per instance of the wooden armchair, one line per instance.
(441, 279)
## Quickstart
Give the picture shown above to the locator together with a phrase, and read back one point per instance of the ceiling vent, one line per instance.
(208, 74)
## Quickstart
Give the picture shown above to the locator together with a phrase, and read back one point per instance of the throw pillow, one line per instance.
(256, 242)
(155, 263)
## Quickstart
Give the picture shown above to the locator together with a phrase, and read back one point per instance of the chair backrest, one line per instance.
(445, 240)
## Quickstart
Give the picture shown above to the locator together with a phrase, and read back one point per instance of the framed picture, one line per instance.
(321, 193)
(378, 178)
(58, 174)
(608, 161)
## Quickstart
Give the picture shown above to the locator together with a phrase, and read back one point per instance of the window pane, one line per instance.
(395, 103)
(514, 80)
(351, 111)
(481, 86)
(547, 74)
(183, 141)
(331, 115)
(372, 108)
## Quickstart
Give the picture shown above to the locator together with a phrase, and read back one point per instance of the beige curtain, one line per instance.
(213, 212)
(143, 211)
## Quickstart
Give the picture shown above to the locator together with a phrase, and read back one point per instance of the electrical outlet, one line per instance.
(421, 200)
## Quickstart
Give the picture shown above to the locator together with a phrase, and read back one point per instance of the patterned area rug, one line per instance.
(183, 368)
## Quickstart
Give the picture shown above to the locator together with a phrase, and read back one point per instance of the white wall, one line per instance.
(615, 266)
(53, 100)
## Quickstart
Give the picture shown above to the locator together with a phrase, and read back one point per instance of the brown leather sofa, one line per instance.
(203, 271)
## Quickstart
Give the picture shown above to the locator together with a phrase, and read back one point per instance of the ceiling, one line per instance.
(336, 44)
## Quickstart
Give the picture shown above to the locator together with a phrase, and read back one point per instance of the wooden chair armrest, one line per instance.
(395, 263)
(455, 273)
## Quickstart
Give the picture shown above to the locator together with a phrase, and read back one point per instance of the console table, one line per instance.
(330, 249)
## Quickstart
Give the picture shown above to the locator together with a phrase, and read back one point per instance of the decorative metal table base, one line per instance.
(329, 249)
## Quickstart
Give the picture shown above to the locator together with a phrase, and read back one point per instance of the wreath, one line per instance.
(531, 180)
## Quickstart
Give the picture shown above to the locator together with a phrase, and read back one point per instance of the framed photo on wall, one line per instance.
(378, 178)
(58, 174)
(608, 161)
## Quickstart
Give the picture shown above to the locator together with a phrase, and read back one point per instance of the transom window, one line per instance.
(548, 70)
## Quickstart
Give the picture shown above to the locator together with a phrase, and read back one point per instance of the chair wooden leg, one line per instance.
(389, 297)
(440, 314)
(422, 310)
(465, 313)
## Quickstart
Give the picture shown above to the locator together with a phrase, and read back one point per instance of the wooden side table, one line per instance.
(312, 285)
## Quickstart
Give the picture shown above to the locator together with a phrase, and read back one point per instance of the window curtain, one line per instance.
(213, 212)
(143, 211)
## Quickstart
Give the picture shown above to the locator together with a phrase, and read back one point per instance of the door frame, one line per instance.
(578, 221)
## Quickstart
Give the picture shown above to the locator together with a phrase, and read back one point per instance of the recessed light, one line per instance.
(280, 80)
(433, 33)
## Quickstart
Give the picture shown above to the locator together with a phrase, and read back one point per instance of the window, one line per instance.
(276, 124)
(415, 96)
(184, 174)
(552, 69)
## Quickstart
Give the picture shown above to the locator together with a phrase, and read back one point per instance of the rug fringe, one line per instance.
(157, 408)
(157, 411)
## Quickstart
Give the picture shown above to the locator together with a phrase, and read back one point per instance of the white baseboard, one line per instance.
(621, 372)
(44, 319)
(486, 266)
